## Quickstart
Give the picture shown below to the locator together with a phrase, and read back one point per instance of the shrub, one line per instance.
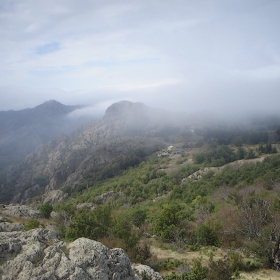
(219, 270)
(31, 224)
(46, 210)
(90, 224)
(206, 235)
(236, 261)
(198, 271)
(145, 276)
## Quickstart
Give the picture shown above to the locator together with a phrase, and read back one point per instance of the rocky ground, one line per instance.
(40, 254)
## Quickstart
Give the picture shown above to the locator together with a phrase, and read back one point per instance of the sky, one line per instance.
(181, 55)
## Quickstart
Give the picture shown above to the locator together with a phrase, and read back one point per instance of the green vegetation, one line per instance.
(223, 194)
(31, 224)
(46, 210)
(91, 224)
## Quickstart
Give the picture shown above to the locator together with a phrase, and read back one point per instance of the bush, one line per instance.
(219, 270)
(31, 224)
(90, 224)
(236, 262)
(206, 235)
(145, 276)
(198, 271)
(46, 210)
(169, 223)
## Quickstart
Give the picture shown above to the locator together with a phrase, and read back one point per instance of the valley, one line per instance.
(192, 200)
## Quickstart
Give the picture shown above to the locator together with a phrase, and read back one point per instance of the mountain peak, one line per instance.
(54, 107)
(122, 108)
(50, 104)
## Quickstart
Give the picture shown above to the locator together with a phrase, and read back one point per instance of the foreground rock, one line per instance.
(39, 254)
(8, 227)
(17, 210)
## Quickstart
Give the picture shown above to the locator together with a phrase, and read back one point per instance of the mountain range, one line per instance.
(50, 153)
(46, 154)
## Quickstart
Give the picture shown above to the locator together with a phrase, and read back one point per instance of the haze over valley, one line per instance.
(135, 165)
(139, 140)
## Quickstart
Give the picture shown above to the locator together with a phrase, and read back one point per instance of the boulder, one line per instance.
(39, 254)
(147, 271)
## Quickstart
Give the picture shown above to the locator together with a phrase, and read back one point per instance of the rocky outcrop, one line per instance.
(39, 254)
(17, 210)
(147, 271)
(88, 205)
(54, 196)
(103, 197)
(8, 227)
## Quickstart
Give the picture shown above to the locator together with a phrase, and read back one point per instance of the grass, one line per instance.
(261, 274)
(205, 254)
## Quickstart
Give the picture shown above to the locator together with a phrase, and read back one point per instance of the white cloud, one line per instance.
(186, 51)
(266, 73)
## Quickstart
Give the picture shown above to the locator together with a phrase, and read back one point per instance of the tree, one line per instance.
(250, 154)
(237, 141)
(90, 224)
(169, 222)
(122, 229)
(138, 216)
(206, 235)
(199, 158)
(255, 214)
(46, 210)
(240, 153)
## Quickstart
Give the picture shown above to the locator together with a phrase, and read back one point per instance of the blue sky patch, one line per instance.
(48, 48)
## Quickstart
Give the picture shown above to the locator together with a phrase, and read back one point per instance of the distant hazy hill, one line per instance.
(22, 131)
(126, 132)
(97, 150)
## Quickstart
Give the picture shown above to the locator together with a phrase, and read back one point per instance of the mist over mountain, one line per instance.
(97, 149)
(67, 160)
(24, 130)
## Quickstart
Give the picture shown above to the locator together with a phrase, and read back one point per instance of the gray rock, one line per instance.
(54, 196)
(17, 210)
(89, 205)
(102, 198)
(7, 227)
(39, 254)
(3, 219)
(149, 272)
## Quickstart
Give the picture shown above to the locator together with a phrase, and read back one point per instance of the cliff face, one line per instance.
(39, 254)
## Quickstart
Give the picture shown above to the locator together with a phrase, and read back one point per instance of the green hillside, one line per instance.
(221, 196)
